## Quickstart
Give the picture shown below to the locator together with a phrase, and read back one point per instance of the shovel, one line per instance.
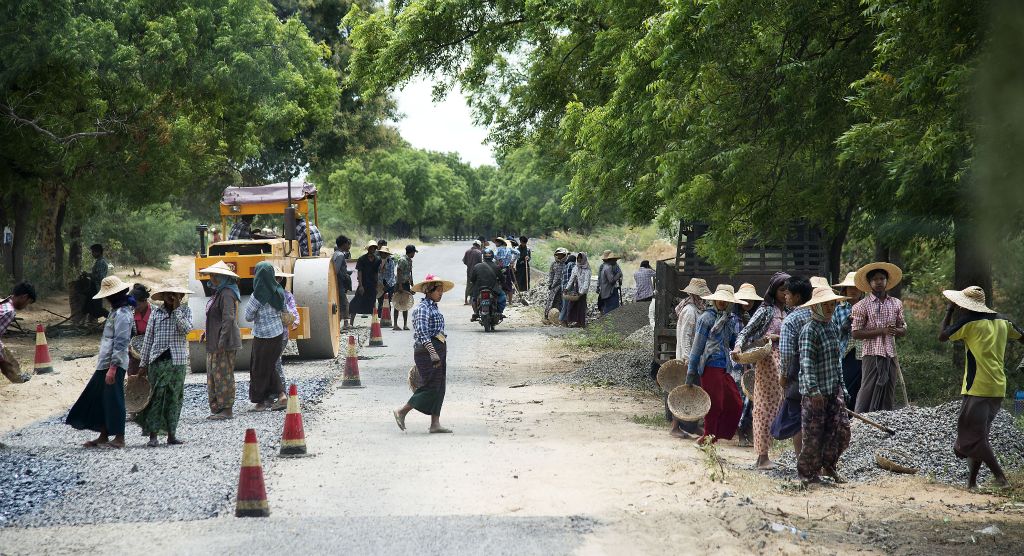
(878, 426)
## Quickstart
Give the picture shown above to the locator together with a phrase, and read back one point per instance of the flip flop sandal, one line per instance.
(219, 417)
(153, 443)
(279, 405)
(113, 445)
(399, 419)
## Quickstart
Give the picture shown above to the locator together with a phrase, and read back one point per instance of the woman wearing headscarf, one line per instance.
(292, 309)
(579, 282)
(101, 407)
(264, 311)
(766, 324)
(430, 354)
(223, 339)
(140, 293)
(165, 361)
(709, 363)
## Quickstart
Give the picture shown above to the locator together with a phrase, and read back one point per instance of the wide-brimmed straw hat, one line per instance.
(167, 287)
(370, 244)
(136, 393)
(971, 298)
(848, 282)
(447, 285)
(384, 250)
(724, 292)
(500, 239)
(672, 373)
(219, 267)
(823, 295)
(609, 256)
(689, 403)
(111, 285)
(561, 251)
(748, 292)
(860, 279)
(697, 286)
(819, 282)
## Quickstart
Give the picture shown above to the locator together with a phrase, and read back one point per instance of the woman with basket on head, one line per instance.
(430, 355)
(164, 357)
(758, 343)
(223, 339)
(101, 406)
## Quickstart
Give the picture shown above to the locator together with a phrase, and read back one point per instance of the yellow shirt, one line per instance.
(985, 339)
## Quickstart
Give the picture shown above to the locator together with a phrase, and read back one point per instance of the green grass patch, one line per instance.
(654, 420)
(597, 336)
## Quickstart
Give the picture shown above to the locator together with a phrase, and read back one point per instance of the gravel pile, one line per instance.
(925, 435)
(627, 368)
(50, 479)
(643, 336)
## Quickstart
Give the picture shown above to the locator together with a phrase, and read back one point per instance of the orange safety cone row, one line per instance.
(252, 492)
(43, 364)
(376, 339)
(385, 313)
(351, 377)
(293, 440)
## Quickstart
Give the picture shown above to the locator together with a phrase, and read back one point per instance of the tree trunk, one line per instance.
(56, 195)
(58, 242)
(75, 250)
(21, 219)
(835, 247)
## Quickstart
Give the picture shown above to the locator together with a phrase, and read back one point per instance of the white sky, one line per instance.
(445, 127)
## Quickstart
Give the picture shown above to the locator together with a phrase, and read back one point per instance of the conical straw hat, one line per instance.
(748, 292)
(971, 298)
(823, 295)
(724, 292)
(111, 285)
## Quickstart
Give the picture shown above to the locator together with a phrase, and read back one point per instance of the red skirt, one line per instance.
(726, 406)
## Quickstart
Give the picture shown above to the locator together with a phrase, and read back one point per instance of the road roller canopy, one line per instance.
(266, 199)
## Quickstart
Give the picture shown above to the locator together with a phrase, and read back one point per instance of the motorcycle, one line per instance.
(487, 309)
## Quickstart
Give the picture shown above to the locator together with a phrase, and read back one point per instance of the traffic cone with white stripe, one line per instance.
(252, 492)
(293, 440)
(376, 339)
(351, 377)
(43, 364)
(385, 313)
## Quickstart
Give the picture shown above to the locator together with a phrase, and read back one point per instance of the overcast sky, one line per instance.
(446, 126)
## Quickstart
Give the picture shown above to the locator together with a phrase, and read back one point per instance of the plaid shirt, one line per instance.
(314, 237)
(505, 256)
(7, 313)
(789, 340)
(403, 274)
(841, 318)
(265, 319)
(387, 273)
(167, 332)
(644, 279)
(872, 312)
(427, 322)
(555, 274)
(117, 331)
(821, 371)
(239, 230)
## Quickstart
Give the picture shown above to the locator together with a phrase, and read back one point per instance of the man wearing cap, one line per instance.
(825, 425)
(404, 283)
(609, 283)
(985, 335)
(878, 321)
(555, 271)
(849, 349)
(21, 297)
(473, 256)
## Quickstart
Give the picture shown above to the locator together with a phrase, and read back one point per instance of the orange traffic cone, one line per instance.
(385, 313)
(252, 493)
(376, 339)
(43, 364)
(351, 377)
(293, 441)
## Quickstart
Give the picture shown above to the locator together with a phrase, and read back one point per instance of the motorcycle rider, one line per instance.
(486, 275)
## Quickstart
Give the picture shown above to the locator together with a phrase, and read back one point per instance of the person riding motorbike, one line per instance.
(486, 275)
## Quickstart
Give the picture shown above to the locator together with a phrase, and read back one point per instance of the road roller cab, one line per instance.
(313, 285)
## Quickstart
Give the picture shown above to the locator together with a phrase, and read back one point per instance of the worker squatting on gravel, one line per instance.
(430, 354)
(985, 335)
(21, 297)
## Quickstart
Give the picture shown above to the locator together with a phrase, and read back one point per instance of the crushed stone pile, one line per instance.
(924, 439)
(628, 368)
(643, 336)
